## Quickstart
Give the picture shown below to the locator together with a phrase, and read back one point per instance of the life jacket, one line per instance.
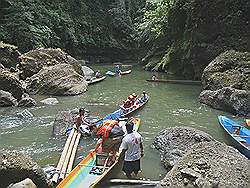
(106, 128)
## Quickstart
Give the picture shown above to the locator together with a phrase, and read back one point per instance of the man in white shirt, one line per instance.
(133, 148)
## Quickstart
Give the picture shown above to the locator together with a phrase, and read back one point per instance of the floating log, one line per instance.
(66, 161)
(72, 157)
(134, 182)
(185, 82)
(62, 158)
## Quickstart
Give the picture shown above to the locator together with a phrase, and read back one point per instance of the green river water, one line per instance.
(170, 105)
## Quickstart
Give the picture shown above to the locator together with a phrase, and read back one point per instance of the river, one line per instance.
(169, 105)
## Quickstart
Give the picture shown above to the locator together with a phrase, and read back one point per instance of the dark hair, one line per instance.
(129, 127)
(81, 110)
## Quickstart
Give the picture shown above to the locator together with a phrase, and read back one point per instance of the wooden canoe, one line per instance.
(241, 141)
(110, 73)
(138, 104)
(95, 80)
(81, 176)
(184, 82)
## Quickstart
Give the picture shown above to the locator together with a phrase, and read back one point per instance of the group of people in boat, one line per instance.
(132, 102)
(115, 138)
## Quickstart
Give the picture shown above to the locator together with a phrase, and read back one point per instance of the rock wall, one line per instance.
(196, 31)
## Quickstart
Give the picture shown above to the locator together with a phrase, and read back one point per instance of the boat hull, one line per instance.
(96, 80)
(242, 141)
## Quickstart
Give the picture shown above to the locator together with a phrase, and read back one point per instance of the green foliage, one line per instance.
(154, 22)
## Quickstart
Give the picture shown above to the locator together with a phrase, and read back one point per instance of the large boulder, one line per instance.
(9, 82)
(33, 61)
(174, 142)
(229, 69)
(26, 101)
(9, 55)
(63, 120)
(6, 99)
(15, 167)
(209, 164)
(60, 79)
(27, 183)
(228, 99)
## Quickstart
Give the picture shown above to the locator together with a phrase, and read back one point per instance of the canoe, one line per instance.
(136, 106)
(83, 176)
(95, 80)
(184, 82)
(120, 113)
(241, 141)
(110, 73)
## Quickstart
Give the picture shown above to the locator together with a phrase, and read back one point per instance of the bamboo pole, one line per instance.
(72, 157)
(66, 161)
(62, 158)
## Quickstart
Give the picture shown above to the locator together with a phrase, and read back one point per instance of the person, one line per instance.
(117, 69)
(154, 77)
(237, 131)
(79, 121)
(132, 146)
(144, 97)
(98, 74)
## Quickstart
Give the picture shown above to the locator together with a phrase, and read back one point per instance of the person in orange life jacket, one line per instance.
(132, 146)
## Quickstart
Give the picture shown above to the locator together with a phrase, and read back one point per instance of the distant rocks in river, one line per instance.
(226, 83)
(50, 101)
(63, 120)
(33, 61)
(26, 101)
(15, 167)
(174, 142)
(6, 99)
(60, 79)
(9, 55)
(229, 99)
(209, 164)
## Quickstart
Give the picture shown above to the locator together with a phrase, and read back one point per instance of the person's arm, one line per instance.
(142, 148)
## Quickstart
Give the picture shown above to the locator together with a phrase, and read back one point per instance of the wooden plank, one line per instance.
(72, 157)
(66, 161)
(132, 181)
(62, 158)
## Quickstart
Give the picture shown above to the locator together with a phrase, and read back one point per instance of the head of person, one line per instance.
(81, 111)
(144, 92)
(129, 127)
(134, 95)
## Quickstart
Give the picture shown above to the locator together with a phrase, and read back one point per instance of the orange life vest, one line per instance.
(106, 128)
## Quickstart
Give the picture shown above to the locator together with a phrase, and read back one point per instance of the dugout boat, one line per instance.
(241, 139)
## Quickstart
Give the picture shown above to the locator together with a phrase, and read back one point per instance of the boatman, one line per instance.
(81, 125)
(133, 148)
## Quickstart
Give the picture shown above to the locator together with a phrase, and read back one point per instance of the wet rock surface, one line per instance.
(209, 164)
(15, 167)
(63, 120)
(6, 99)
(228, 99)
(226, 83)
(50, 101)
(174, 142)
(33, 61)
(59, 79)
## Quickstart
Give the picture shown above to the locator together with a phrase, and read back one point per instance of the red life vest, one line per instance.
(106, 128)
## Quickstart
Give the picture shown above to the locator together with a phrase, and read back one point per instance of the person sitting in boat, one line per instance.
(98, 74)
(126, 106)
(154, 77)
(143, 98)
(237, 131)
(117, 70)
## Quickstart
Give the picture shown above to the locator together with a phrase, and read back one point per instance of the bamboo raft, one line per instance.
(66, 160)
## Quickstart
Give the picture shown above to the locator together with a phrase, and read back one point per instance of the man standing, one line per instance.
(133, 148)
(82, 126)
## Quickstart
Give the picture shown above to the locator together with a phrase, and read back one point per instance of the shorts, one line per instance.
(131, 166)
